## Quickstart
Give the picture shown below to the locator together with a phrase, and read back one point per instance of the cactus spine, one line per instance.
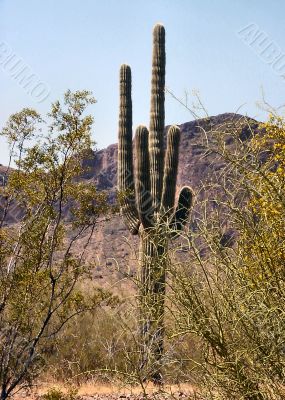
(147, 200)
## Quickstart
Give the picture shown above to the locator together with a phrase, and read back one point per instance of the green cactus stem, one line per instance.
(157, 114)
(125, 152)
(147, 200)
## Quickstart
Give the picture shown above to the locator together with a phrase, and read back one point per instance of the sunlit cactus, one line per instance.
(147, 199)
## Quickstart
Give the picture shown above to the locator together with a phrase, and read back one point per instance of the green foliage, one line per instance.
(39, 271)
(57, 394)
(231, 296)
(19, 129)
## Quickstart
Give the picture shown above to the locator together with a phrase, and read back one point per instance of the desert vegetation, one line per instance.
(40, 274)
(205, 306)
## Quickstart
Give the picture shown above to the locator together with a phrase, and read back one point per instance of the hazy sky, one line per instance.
(81, 44)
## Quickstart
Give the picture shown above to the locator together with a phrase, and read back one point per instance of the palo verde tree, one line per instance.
(147, 200)
(229, 291)
(40, 270)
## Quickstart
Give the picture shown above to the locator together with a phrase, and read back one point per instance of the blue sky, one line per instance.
(72, 44)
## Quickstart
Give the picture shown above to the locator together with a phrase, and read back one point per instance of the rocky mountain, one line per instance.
(112, 249)
(102, 165)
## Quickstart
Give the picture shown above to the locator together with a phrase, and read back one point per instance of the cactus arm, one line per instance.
(170, 171)
(125, 157)
(183, 208)
(157, 115)
(144, 199)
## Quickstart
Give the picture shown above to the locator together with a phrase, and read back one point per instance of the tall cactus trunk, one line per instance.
(147, 200)
(153, 258)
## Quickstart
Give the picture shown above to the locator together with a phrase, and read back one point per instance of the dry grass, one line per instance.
(90, 389)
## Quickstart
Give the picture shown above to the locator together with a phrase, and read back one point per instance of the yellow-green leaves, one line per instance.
(40, 266)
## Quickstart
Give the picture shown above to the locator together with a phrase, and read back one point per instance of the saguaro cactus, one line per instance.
(147, 200)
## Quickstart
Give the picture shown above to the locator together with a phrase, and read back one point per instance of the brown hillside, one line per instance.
(111, 248)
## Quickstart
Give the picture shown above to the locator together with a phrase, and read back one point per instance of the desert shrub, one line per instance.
(57, 394)
(96, 346)
(230, 290)
(40, 274)
(103, 346)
